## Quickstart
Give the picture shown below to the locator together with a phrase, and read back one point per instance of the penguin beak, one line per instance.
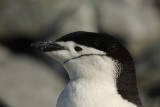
(47, 46)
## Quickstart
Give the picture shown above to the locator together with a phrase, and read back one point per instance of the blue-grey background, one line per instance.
(29, 78)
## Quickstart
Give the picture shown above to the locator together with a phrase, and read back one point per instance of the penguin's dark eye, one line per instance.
(78, 48)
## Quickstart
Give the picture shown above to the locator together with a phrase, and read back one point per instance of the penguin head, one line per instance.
(86, 50)
(70, 51)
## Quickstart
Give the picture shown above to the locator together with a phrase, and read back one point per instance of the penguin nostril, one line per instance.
(78, 48)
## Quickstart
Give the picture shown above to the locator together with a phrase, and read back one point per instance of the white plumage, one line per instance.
(101, 70)
(92, 78)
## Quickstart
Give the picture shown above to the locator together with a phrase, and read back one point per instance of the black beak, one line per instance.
(47, 46)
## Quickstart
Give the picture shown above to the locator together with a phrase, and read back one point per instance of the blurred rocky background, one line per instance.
(29, 78)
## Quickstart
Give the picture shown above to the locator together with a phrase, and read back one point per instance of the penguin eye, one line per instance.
(78, 48)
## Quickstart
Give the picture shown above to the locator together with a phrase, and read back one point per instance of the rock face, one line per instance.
(28, 82)
(30, 79)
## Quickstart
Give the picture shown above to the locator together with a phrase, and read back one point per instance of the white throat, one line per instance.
(93, 68)
(92, 84)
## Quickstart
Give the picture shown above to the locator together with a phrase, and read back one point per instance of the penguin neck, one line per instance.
(93, 82)
(96, 72)
(97, 85)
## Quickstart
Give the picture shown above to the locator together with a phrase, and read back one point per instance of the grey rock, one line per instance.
(28, 82)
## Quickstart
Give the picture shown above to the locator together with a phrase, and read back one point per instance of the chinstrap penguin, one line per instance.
(101, 70)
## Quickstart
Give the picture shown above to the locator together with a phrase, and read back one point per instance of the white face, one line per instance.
(70, 52)
(83, 61)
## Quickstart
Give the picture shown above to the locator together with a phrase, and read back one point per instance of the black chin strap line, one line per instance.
(84, 55)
